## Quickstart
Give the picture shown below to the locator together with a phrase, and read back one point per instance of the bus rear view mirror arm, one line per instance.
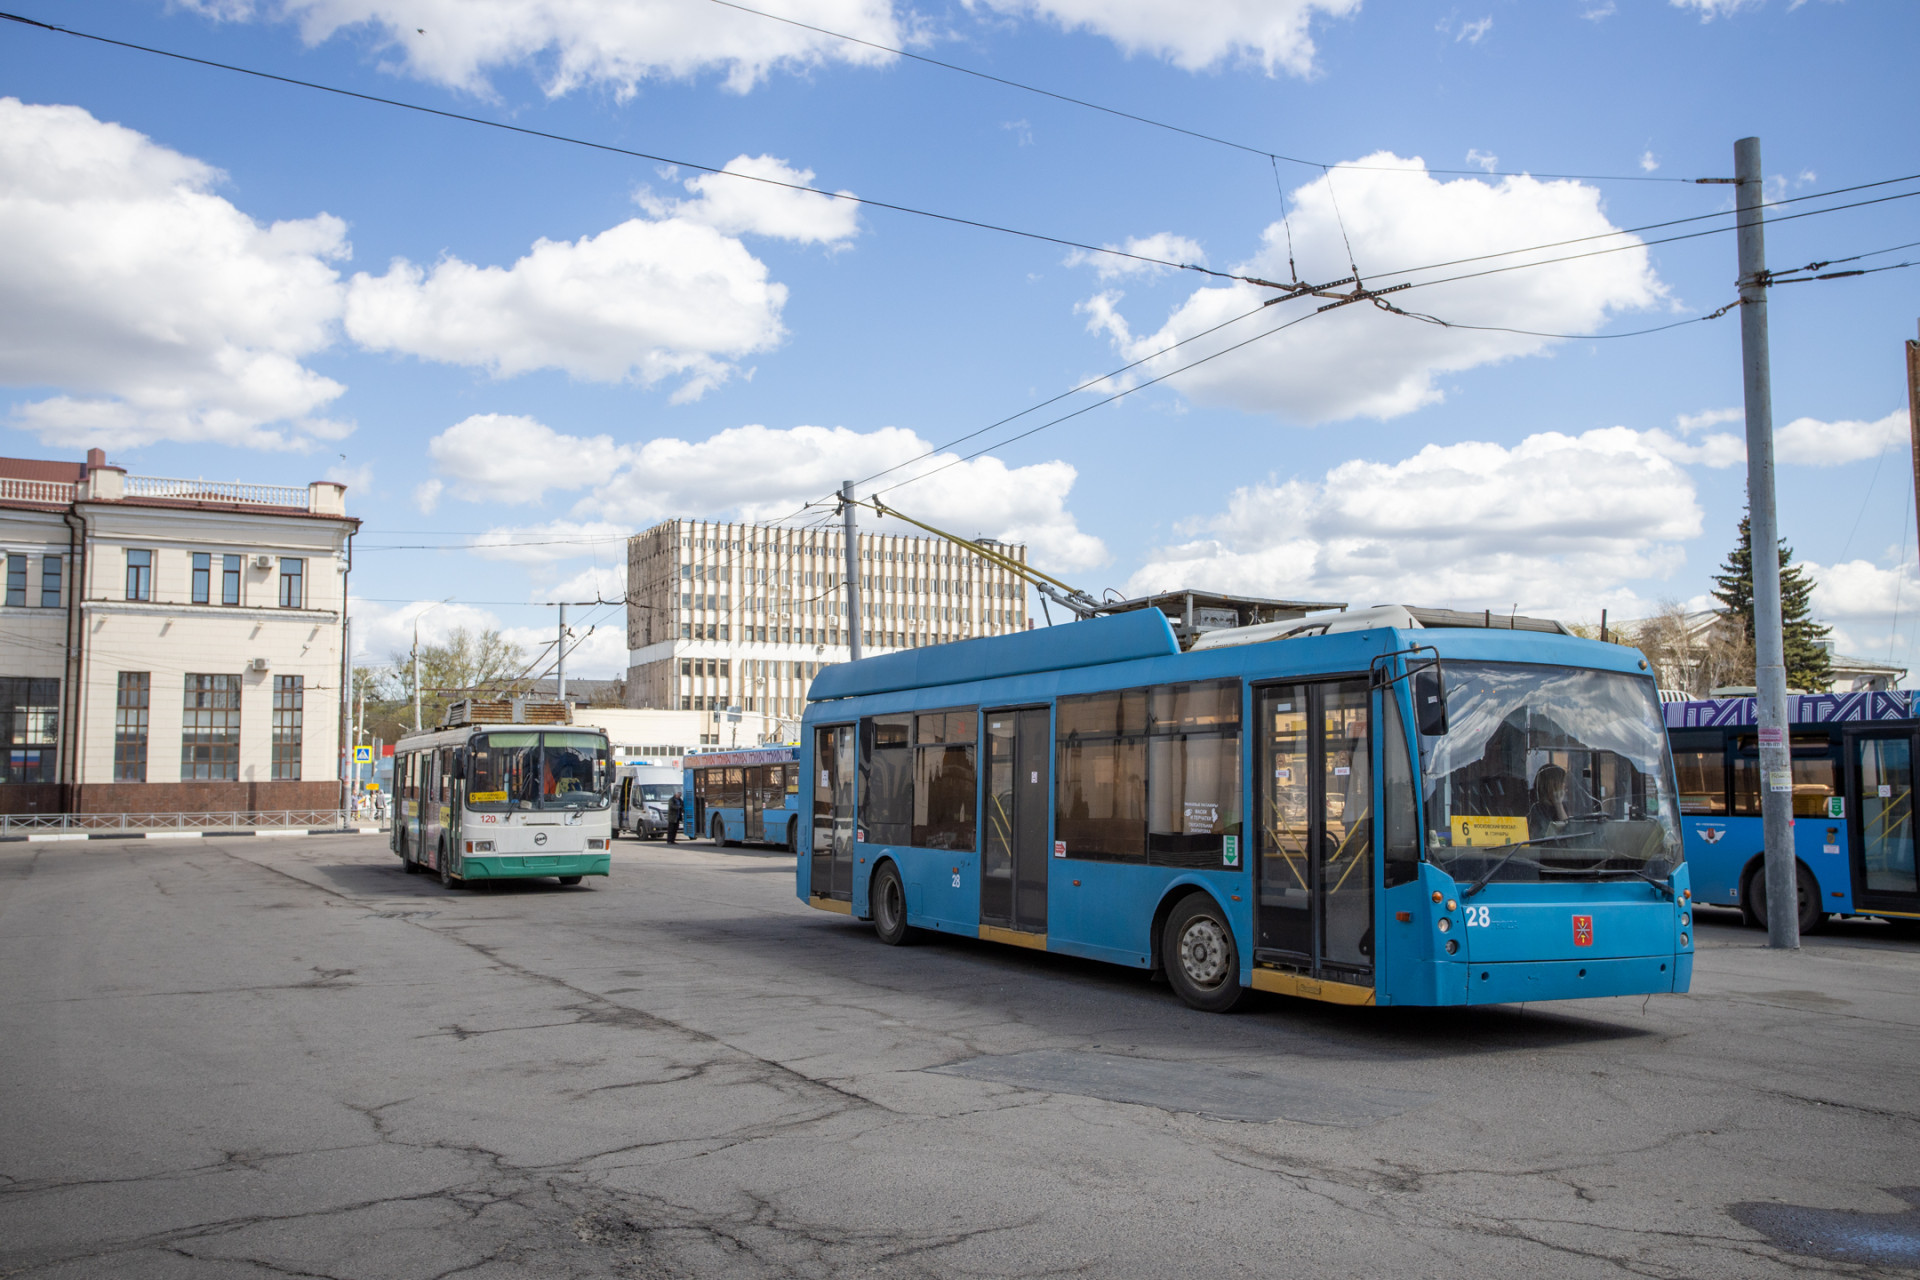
(1426, 684)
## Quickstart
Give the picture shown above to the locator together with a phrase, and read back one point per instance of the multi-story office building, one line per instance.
(745, 615)
(169, 645)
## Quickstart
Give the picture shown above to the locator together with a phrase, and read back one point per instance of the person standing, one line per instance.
(676, 809)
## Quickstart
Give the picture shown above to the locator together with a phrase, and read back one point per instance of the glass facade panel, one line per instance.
(132, 701)
(50, 582)
(210, 729)
(293, 593)
(230, 579)
(202, 578)
(139, 575)
(17, 581)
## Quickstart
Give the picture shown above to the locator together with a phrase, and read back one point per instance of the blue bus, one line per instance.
(1853, 758)
(1395, 806)
(745, 794)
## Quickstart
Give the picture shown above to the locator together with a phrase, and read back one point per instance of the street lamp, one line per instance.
(416, 657)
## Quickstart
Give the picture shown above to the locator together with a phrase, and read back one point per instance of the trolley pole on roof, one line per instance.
(853, 570)
(561, 665)
(1769, 647)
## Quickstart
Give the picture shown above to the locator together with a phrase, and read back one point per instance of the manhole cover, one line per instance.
(1882, 1239)
(1203, 1088)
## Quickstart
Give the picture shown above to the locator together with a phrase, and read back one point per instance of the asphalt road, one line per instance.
(251, 1057)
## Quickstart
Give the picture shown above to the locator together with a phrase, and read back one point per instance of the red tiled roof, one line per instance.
(40, 469)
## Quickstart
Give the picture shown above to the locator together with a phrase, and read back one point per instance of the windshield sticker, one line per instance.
(1486, 830)
(1201, 817)
(1836, 807)
(1059, 848)
(1230, 851)
(487, 797)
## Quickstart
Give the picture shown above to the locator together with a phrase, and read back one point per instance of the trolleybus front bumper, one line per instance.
(519, 866)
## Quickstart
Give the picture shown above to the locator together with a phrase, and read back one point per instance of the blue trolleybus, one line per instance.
(1853, 767)
(749, 794)
(1386, 807)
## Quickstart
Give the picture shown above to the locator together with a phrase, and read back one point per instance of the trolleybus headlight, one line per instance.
(1451, 904)
(1685, 919)
(479, 846)
(1683, 940)
(1446, 924)
(1453, 946)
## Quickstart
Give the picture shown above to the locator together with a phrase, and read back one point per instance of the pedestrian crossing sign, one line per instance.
(363, 755)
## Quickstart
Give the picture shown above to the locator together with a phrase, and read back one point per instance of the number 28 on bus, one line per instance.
(1383, 807)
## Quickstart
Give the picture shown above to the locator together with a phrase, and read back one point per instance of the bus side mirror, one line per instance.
(1429, 702)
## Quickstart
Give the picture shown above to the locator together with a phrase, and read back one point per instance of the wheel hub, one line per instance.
(1203, 952)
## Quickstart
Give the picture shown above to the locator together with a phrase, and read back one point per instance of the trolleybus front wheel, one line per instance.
(1753, 899)
(569, 879)
(1198, 953)
(448, 880)
(889, 901)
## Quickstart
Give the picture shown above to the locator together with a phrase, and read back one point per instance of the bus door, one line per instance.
(752, 798)
(1880, 794)
(1313, 774)
(1013, 867)
(833, 813)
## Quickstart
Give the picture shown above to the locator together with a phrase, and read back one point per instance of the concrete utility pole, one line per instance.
(1913, 418)
(1769, 645)
(853, 569)
(561, 666)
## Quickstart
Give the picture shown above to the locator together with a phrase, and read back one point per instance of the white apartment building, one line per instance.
(745, 615)
(169, 645)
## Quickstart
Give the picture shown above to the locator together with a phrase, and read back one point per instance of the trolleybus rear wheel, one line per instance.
(1753, 900)
(889, 899)
(407, 863)
(718, 831)
(1198, 953)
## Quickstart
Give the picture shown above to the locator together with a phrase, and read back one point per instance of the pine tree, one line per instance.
(1806, 658)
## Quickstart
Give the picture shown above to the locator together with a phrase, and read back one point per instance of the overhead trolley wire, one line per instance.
(1162, 124)
(404, 105)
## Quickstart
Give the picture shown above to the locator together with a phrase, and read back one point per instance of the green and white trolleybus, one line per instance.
(503, 802)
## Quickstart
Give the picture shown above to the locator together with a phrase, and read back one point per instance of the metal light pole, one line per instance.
(416, 658)
(561, 665)
(1769, 645)
(853, 570)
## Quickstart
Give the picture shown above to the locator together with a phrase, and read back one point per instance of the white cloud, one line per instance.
(1164, 245)
(624, 486)
(1691, 422)
(498, 457)
(1717, 450)
(1483, 159)
(156, 309)
(571, 43)
(1859, 591)
(380, 631)
(1711, 9)
(553, 541)
(645, 300)
(1648, 161)
(739, 206)
(426, 495)
(1474, 32)
(1558, 525)
(1813, 443)
(1357, 361)
(1273, 35)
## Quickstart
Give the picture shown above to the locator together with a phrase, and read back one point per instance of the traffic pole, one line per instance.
(852, 536)
(1769, 645)
(561, 666)
(1913, 417)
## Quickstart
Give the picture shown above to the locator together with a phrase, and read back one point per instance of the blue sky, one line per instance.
(214, 275)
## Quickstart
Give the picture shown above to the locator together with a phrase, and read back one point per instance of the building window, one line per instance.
(293, 577)
(289, 699)
(50, 582)
(139, 575)
(30, 721)
(17, 581)
(210, 729)
(230, 579)
(202, 578)
(130, 726)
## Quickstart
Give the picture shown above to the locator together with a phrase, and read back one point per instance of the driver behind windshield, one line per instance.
(1548, 814)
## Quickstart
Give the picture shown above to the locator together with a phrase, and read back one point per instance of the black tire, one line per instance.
(718, 830)
(793, 835)
(887, 898)
(1753, 900)
(448, 880)
(1197, 951)
(407, 864)
(569, 880)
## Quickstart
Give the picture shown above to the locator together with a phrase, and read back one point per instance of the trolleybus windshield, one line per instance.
(537, 770)
(1549, 773)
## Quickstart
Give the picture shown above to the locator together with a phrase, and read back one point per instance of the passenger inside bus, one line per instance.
(1548, 815)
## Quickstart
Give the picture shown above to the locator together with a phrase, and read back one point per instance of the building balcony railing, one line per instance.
(60, 492)
(266, 495)
(261, 819)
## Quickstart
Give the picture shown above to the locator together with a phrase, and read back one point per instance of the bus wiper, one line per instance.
(1665, 886)
(1494, 870)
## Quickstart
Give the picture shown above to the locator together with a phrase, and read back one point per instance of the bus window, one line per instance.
(943, 776)
(886, 779)
(734, 781)
(1193, 773)
(1815, 776)
(1403, 836)
(502, 770)
(1700, 760)
(1100, 800)
(575, 771)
